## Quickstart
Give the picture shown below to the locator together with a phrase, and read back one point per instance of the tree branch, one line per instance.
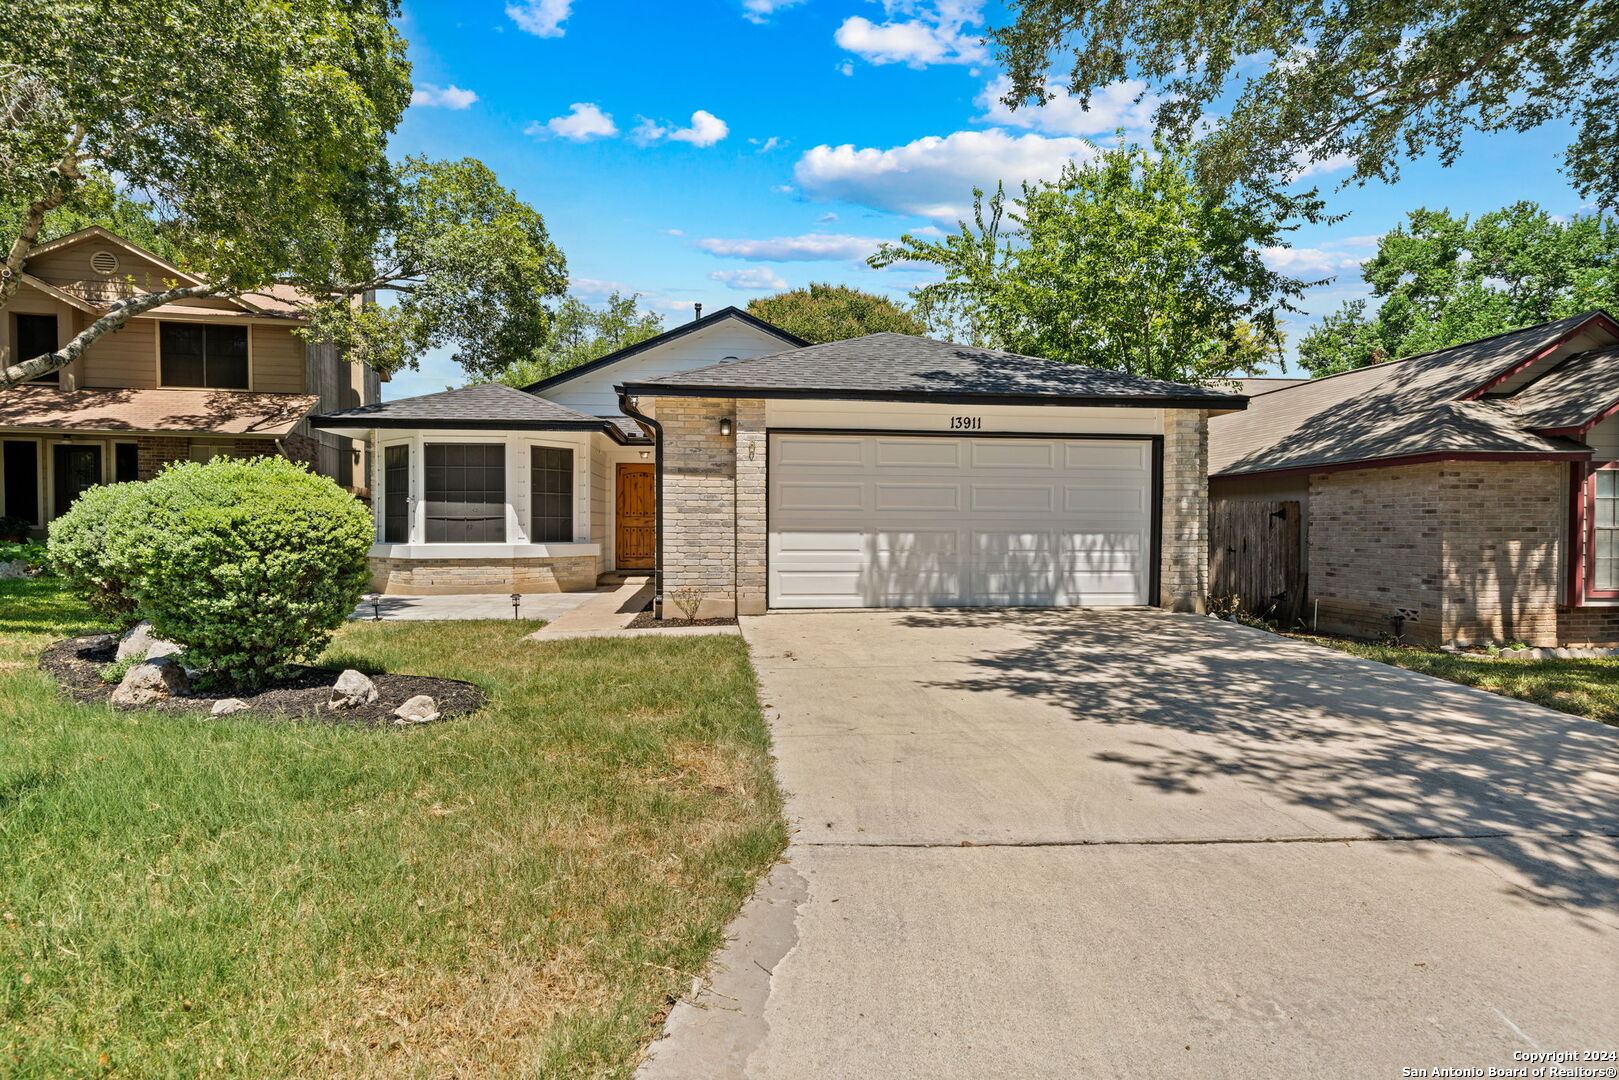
(117, 315)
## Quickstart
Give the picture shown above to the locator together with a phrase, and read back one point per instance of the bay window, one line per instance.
(465, 493)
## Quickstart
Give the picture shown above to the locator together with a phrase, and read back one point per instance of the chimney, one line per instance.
(699, 310)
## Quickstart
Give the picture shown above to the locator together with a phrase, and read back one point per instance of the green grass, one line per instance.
(518, 893)
(1587, 688)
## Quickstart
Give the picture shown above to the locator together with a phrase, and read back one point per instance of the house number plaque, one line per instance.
(966, 423)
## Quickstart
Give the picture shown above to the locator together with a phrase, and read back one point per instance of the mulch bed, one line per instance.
(645, 621)
(76, 665)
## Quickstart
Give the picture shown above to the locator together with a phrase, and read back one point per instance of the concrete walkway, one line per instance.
(1069, 844)
(547, 606)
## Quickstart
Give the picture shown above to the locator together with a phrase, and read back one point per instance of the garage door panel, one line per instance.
(1030, 498)
(958, 521)
(917, 453)
(916, 496)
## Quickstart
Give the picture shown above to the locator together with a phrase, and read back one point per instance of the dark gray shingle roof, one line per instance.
(490, 405)
(1571, 393)
(898, 366)
(1396, 409)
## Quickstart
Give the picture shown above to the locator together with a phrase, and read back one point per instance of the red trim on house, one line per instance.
(1412, 459)
(1523, 365)
(1578, 512)
(1581, 430)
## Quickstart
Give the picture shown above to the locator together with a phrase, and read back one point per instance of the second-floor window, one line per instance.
(203, 355)
(35, 335)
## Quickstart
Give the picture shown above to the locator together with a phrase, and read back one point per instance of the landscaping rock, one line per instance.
(14, 569)
(352, 688)
(418, 710)
(227, 706)
(151, 680)
(139, 644)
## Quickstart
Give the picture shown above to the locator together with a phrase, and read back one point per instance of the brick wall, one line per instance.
(154, 452)
(1503, 550)
(1375, 544)
(453, 577)
(1588, 626)
(1184, 559)
(1475, 548)
(702, 517)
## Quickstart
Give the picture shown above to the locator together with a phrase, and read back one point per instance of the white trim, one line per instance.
(482, 551)
(40, 493)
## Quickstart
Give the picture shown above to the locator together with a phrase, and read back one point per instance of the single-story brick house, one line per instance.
(763, 472)
(1472, 492)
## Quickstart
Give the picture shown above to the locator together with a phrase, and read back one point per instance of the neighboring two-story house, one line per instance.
(186, 381)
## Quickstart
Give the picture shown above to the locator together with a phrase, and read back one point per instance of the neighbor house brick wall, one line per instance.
(1475, 548)
(1502, 568)
(1183, 559)
(154, 452)
(1375, 545)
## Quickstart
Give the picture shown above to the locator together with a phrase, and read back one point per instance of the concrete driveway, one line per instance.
(1063, 844)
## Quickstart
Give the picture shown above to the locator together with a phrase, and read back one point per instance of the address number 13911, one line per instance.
(966, 423)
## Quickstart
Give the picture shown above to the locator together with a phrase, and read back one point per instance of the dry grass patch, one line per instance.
(521, 892)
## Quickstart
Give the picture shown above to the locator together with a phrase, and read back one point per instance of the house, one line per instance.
(757, 471)
(183, 381)
(1466, 495)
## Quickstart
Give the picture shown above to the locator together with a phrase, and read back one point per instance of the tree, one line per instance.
(825, 312)
(1442, 280)
(99, 201)
(1302, 84)
(256, 137)
(580, 334)
(1122, 263)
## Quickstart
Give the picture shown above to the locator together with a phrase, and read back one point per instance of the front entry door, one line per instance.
(77, 466)
(637, 540)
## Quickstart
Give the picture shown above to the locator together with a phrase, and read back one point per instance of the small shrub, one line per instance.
(687, 600)
(249, 565)
(115, 671)
(35, 556)
(79, 553)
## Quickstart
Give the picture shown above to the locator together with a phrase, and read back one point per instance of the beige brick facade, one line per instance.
(715, 493)
(1477, 549)
(454, 577)
(1183, 567)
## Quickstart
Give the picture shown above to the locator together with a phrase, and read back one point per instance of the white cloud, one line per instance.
(449, 97)
(1332, 163)
(584, 120)
(1309, 260)
(542, 18)
(924, 34)
(810, 247)
(826, 218)
(751, 280)
(846, 68)
(758, 11)
(706, 129)
(934, 176)
(766, 145)
(595, 289)
(1111, 108)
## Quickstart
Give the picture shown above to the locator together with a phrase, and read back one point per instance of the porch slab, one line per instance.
(605, 613)
(547, 606)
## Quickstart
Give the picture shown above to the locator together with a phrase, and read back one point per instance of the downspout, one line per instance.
(627, 405)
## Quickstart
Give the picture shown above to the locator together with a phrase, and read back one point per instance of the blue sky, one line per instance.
(715, 150)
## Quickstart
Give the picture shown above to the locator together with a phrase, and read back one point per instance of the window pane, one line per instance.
(227, 357)
(35, 335)
(182, 350)
(1607, 483)
(551, 495)
(465, 493)
(396, 494)
(1606, 579)
(126, 462)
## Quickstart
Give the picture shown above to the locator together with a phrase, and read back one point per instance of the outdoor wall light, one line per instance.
(376, 607)
(517, 598)
(646, 455)
(725, 425)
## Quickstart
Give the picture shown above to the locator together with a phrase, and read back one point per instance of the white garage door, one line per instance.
(897, 521)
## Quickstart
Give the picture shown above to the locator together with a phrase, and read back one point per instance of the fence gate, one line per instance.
(1256, 555)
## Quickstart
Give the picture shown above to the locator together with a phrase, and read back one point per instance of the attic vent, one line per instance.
(104, 262)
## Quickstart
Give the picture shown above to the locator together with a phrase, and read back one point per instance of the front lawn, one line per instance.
(520, 892)
(1583, 687)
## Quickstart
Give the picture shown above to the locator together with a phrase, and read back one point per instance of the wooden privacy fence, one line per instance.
(1256, 555)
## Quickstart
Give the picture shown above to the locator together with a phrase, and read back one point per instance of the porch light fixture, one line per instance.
(646, 455)
(517, 598)
(376, 606)
(725, 425)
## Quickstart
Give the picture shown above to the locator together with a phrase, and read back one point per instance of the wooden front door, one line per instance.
(637, 543)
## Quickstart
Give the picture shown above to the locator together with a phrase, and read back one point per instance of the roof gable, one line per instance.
(1400, 408)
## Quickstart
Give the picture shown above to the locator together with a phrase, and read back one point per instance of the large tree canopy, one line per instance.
(825, 312)
(581, 333)
(1314, 82)
(1442, 280)
(256, 136)
(1123, 263)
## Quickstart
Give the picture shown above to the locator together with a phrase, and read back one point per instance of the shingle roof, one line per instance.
(1571, 393)
(890, 366)
(491, 405)
(198, 412)
(1395, 409)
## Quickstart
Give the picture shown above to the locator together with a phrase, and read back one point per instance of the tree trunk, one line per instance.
(118, 314)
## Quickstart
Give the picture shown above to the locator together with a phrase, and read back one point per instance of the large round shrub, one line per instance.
(249, 565)
(79, 552)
